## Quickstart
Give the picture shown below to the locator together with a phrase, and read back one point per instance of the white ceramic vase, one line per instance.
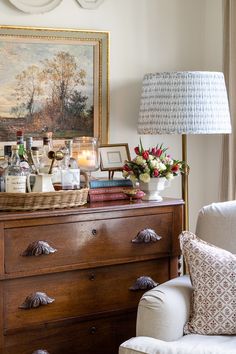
(153, 188)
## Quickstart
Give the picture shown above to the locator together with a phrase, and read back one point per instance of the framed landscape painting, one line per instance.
(53, 80)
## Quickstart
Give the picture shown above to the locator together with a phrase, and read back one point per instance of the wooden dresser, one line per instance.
(67, 275)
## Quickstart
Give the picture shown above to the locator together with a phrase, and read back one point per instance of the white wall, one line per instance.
(150, 36)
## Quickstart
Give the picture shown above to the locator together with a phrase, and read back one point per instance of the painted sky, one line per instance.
(16, 56)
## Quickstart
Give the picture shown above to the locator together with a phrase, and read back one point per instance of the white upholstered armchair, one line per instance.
(164, 310)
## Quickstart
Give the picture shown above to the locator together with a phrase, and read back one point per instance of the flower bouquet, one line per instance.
(154, 162)
(151, 164)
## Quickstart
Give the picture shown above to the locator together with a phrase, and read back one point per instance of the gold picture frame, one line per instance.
(36, 97)
(113, 157)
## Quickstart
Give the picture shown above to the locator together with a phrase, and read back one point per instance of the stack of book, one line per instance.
(108, 189)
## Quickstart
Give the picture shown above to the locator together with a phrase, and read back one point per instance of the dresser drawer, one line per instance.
(86, 243)
(100, 335)
(78, 293)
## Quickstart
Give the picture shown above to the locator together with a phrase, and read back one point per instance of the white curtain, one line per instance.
(228, 180)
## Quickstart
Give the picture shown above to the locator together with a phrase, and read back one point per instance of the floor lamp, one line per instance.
(184, 103)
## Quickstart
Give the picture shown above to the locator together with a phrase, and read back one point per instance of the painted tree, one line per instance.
(76, 104)
(62, 77)
(27, 92)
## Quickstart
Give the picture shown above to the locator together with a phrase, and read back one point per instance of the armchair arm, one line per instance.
(163, 311)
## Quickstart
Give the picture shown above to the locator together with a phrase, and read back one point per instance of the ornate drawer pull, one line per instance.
(38, 248)
(143, 283)
(93, 330)
(36, 300)
(40, 351)
(94, 232)
(146, 236)
(92, 276)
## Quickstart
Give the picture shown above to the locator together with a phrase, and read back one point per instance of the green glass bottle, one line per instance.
(21, 151)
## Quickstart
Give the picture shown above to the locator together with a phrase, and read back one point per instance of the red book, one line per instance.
(107, 196)
(108, 190)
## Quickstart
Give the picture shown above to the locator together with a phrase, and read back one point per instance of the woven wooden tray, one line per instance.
(45, 200)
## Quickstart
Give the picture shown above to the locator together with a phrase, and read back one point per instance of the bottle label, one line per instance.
(15, 184)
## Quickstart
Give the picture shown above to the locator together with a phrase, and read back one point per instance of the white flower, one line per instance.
(147, 170)
(169, 175)
(125, 173)
(139, 160)
(154, 163)
(168, 160)
(161, 166)
(133, 178)
(144, 177)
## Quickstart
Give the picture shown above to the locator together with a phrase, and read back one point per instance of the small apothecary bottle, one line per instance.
(15, 178)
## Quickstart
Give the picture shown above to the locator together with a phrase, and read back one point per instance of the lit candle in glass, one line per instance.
(87, 155)
(87, 160)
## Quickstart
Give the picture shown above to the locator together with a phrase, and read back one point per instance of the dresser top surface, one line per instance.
(90, 208)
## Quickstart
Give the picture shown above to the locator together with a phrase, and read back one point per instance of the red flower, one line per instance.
(126, 168)
(136, 150)
(145, 154)
(154, 151)
(155, 172)
(159, 152)
(175, 168)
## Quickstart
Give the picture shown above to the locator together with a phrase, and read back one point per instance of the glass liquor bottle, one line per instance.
(7, 155)
(4, 163)
(22, 153)
(20, 142)
(49, 136)
(72, 163)
(45, 162)
(70, 174)
(28, 154)
(15, 178)
(36, 159)
(29, 143)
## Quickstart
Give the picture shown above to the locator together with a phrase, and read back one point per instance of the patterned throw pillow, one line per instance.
(213, 275)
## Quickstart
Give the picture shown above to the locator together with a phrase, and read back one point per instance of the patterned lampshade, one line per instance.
(184, 103)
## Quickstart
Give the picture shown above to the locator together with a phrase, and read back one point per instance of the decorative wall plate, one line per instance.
(35, 6)
(89, 4)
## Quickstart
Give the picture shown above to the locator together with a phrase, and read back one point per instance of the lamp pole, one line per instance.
(185, 182)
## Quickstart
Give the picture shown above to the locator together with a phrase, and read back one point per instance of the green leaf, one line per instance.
(141, 145)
